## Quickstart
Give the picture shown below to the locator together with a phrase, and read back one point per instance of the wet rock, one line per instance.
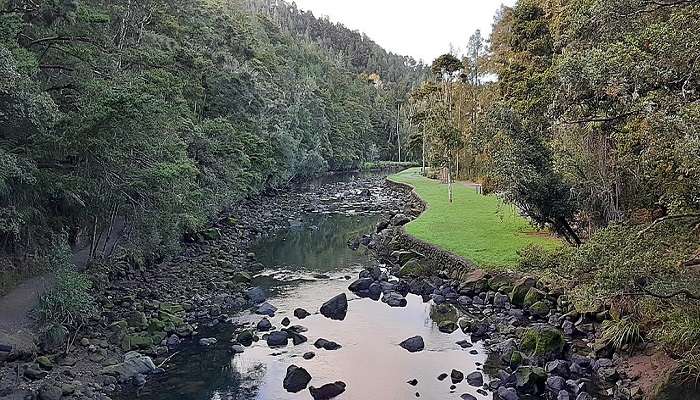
(394, 299)
(245, 338)
(335, 308)
(442, 377)
(413, 344)
(297, 338)
(467, 396)
(530, 379)
(134, 364)
(266, 309)
(285, 321)
(309, 355)
(256, 295)
(465, 344)
(264, 325)
(413, 382)
(476, 378)
(301, 313)
(326, 344)
(447, 326)
(457, 376)
(361, 284)
(237, 349)
(207, 342)
(296, 380)
(278, 338)
(327, 391)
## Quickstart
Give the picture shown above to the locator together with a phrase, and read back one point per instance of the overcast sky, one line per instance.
(422, 29)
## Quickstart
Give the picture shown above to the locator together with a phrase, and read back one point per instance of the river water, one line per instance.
(307, 265)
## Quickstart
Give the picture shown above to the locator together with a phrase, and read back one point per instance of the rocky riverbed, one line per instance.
(313, 292)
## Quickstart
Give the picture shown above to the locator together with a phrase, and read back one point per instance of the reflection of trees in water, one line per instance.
(322, 247)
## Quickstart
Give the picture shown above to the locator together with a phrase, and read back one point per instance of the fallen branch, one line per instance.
(167, 359)
(685, 292)
(666, 218)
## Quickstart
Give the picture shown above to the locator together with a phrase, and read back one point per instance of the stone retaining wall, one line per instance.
(440, 258)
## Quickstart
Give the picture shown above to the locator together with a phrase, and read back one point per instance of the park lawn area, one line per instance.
(482, 229)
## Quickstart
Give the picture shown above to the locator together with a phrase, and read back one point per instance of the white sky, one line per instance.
(422, 29)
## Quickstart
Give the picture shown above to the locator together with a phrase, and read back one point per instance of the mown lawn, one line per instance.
(482, 229)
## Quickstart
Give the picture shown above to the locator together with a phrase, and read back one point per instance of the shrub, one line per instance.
(69, 301)
(619, 332)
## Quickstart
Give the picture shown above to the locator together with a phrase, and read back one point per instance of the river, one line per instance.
(305, 266)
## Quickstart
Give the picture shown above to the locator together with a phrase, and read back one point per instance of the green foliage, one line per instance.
(69, 302)
(680, 329)
(620, 332)
(150, 117)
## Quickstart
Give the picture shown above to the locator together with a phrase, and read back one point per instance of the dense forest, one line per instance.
(591, 128)
(155, 115)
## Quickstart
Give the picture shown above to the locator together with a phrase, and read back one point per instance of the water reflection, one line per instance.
(317, 243)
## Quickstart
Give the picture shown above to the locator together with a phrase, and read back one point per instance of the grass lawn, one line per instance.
(482, 229)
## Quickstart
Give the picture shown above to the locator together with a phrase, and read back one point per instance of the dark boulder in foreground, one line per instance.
(301, 313)
(413, 344)
(326, 344)
(327, 391)
(279, 338)
(296, 379)
(476, 378)
(335, 308)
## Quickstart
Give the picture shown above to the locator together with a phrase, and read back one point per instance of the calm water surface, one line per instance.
(370, 362)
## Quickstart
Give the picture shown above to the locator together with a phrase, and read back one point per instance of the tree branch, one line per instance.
(667, 218)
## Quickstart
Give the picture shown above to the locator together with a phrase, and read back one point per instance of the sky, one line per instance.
(423, 29)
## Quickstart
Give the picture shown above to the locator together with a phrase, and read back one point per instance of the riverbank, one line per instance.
(479, 228)
(152, 309)
(643, 368)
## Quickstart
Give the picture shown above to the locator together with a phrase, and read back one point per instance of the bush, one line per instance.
(69, 302)
(619, 332)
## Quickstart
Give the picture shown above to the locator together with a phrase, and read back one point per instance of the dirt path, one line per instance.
(16, 306)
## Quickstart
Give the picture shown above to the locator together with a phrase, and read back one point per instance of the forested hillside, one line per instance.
(592, 130)
(156, 114)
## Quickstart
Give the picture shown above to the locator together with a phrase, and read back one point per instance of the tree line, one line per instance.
(152, 116)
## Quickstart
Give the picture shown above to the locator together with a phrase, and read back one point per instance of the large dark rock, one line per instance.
(335, 308)
(264, 325)
(476, 378)
(296, 380)
(361, 284)
(457, 376)
(279, 338)
(327, 391)
(301, 313)
(256, 295)
(326, 344)
(413, 344)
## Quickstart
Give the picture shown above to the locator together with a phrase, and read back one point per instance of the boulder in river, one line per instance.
(327, 344)
(279, 338)
(476, 378)
(301, 313)
(264, 325)
(296, 380)
(413, 344)
(456, 376)
(256, 295)
(394, 299)
(266, 309)
(335, 308)
(327, 391)
(134, 364)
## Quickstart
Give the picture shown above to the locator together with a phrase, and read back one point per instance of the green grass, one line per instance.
(482, 229)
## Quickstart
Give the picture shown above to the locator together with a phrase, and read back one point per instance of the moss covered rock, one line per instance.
(413, 268)
(530, 379)
(540, 309)
(520, 289)
(543, 341)
(533, 296)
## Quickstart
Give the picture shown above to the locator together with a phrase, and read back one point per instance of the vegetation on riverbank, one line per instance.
(482, 229)
(145, 119)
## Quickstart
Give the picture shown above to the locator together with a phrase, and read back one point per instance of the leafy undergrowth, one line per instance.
(643, 276)
(479, 228)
